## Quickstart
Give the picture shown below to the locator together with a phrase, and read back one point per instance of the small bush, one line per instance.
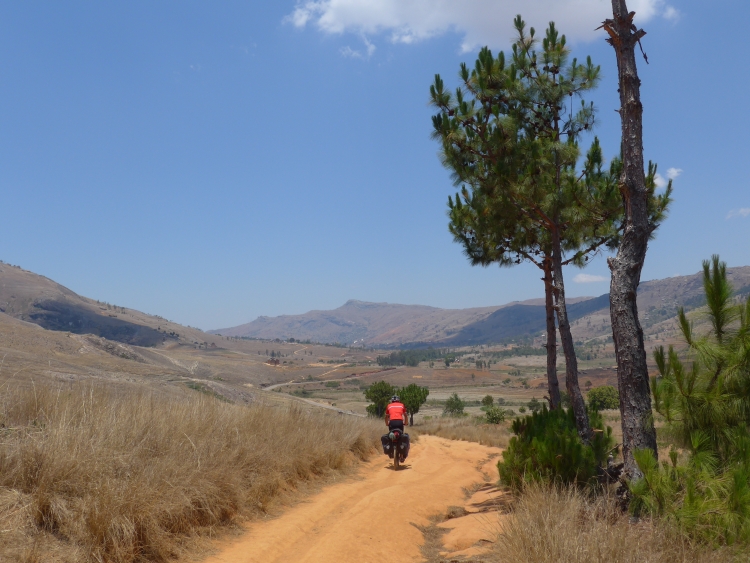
(454, 406)
(495, 415)
(534, 405)
(604, 397)
(333, 384)
(488, 401)
(546, 448)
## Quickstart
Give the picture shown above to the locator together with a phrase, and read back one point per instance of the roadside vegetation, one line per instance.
(96, 474)
(554, 524)
(468, 429)
(511, 139)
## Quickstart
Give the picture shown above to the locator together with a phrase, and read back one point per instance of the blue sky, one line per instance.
(212, 162)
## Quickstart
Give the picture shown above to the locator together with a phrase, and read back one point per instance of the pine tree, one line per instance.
(642, 217)
(704, 395)
(510, 133)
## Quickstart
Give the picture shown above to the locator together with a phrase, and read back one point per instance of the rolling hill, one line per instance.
(392, 325)
(30, 297)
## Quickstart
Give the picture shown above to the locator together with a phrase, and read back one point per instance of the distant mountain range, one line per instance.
(36, 299)
(392, 325)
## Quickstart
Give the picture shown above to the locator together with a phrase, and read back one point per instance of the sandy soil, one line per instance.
(379, 512)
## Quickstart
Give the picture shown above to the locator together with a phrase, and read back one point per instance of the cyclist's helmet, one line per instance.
(395, 399)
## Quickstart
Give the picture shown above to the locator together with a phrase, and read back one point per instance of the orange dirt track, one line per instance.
(368, 518)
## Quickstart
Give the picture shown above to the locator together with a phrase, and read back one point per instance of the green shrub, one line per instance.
(534, 405)
(494, 415)
(522, 409)
(706, 403)
(454, 406)
(546, 448)
(604, 397)
(333, 384)
(488, 401)
(565, 399)
(708, 501)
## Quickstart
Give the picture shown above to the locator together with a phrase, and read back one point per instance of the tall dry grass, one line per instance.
(91, 474)
(555, 525)
(466, 429)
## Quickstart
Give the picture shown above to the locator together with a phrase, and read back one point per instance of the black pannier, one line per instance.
(386, 441)
(404, 445)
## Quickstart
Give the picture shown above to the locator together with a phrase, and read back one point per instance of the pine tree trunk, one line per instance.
(553, 385)
(632, 372)
(566, 338)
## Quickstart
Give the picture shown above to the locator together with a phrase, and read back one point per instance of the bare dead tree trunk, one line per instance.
(566, 338)
(553, 385)
(632, 372)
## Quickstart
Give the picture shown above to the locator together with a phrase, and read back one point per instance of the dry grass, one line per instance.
(562, 525)
(467, 430)
(89, 474)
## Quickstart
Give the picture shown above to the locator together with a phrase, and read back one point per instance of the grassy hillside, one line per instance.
(36, 299)
(92, 473)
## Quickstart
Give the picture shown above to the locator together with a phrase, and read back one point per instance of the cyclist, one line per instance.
(395, 415)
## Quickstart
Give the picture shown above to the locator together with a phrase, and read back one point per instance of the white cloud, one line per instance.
(672, 173)
(486, 22)
(741, 212)
(661, 181)
(671, 13)
(349, 52)
(588, 278)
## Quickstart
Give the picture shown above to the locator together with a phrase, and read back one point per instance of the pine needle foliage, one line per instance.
(546, 448)
(510, 137)
(705, 399)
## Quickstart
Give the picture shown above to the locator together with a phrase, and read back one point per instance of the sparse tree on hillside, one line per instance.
(454, 406)
(413, 396)
(604, 397)
(379, 394)
(534, 405)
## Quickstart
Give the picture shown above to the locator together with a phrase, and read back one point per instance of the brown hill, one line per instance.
(30, 297)
(391, 325)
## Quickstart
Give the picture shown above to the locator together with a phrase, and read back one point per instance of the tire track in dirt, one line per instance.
(373, 516)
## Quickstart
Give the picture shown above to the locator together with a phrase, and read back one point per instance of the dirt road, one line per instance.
(374, 516)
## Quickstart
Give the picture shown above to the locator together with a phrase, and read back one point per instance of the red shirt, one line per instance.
(396, 411)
